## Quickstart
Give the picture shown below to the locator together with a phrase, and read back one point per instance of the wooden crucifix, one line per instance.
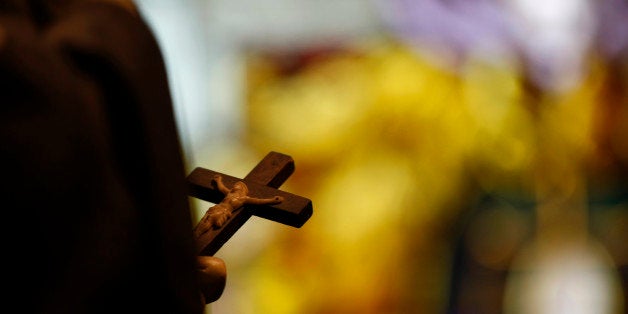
(262, 184)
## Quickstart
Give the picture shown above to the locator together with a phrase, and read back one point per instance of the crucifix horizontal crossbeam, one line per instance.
(262, 182)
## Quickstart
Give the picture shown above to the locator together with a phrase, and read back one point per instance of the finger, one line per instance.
(212, 275)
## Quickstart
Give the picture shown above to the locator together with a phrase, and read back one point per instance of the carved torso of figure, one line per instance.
(236, 197)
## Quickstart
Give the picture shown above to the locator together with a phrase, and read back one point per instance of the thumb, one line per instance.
(212, 275)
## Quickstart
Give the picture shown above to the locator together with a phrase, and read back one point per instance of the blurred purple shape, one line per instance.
(612, 31)
(459, 25)
(464, 25)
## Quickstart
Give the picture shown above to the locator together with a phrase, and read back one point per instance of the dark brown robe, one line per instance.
(93, 182)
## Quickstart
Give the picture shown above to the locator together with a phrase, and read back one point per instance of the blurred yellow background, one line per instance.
(461, 156)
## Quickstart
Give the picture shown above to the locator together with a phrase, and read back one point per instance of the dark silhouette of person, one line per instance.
(93, 179)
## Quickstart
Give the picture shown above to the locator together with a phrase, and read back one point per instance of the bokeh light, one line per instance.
(462, 156)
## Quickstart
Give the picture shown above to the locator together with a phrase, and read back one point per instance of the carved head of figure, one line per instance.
(240, 188)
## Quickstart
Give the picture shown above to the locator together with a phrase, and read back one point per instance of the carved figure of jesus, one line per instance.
(236, 197)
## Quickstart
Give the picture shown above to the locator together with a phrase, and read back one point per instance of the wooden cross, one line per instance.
(262, 182)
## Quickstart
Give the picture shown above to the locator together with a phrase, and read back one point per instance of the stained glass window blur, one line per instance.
(463, 156)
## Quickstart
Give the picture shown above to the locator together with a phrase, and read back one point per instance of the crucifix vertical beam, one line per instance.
(262, 181)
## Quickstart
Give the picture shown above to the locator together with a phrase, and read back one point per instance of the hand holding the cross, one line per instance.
(212, 277)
